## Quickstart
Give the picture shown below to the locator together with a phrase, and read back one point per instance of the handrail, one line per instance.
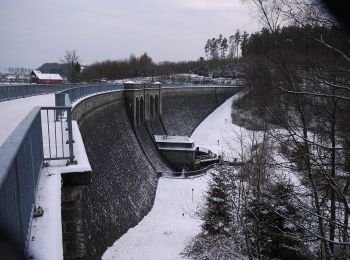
(8, 92)
(21, 161)
(10, 147)
(79, 92)
(188, 173)
(22, 157)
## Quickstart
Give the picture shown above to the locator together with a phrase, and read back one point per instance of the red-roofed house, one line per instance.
(44, 78)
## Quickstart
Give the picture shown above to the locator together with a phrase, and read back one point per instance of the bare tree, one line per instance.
(316, 89)
(72, 62)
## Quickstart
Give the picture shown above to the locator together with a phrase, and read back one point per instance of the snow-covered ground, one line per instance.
(169, 226)
(12, 112)
(218, 134)
(172, 222)
(46, 233)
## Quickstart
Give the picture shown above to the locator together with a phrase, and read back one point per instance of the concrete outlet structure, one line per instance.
(143, 101)
(178, 150)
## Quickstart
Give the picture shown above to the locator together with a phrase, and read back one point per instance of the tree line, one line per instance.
(142, 66)
(226, 48)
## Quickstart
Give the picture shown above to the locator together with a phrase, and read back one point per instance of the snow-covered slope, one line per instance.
(172, 222)
(218, 134)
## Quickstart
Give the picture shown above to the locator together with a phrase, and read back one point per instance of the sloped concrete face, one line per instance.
(123, 182)
(185, 108)
(124, 179)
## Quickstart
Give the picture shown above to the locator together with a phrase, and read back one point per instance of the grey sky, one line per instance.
(37, 31)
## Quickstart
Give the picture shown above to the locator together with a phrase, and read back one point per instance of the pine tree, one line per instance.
(244, 43)
(223, 48)
(273, 218)
(216, 219)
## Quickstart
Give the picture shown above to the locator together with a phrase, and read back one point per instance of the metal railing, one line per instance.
(58, 133)
(20, 165)
(8, 92)
(79, 92)
(195, 173)
(202, 85)
(40, 137)
(45, 134)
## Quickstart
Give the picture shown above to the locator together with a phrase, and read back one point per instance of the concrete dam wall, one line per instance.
(185, 108)
(124, 170)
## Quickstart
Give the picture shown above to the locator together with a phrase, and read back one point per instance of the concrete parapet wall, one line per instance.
(82, 110)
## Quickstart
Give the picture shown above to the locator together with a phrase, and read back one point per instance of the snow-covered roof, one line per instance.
(47, 76)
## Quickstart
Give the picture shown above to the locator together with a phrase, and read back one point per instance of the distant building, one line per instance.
(44, 78)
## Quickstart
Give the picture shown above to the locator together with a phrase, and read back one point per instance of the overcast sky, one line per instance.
(37, 31)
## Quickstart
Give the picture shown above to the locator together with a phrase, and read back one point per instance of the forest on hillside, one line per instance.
(290, 199)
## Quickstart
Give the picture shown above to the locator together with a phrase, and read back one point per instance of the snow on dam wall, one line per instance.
(123, 180)
(185, 108)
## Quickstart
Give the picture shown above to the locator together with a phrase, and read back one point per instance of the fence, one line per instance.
(190, 85)
(21, 161)
(8, 92)
(41, 136)
(79, 92)
(58, 133)
(187, 173)
(45, 134)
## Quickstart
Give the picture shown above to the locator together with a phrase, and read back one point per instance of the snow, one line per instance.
(79, 152)
(169, 226)
(172, 223)
(44, 76)
(76, 102)
(14, 111)
(218, 134)
(46, 233)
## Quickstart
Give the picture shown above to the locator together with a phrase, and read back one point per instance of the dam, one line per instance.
(76, 202)
(117, 129)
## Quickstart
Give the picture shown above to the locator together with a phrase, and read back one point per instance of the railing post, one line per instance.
(70, 137)
(59, 102)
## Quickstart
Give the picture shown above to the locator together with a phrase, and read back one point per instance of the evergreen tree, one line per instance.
(223, 48)
(273, 217)
(207, 48)
(244, 43)
(216, 219)
(214, 52)
(237, 40)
